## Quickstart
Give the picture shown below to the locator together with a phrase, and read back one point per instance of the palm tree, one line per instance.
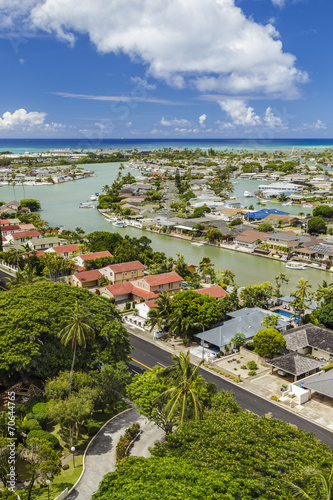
(179, 325)
(302, 288)
(155, 319)
(319, 484)
(26, 277)
(227, 277)
(270, 321)
(206, 268)
(78, 330)
(183, 395)
(105, 188)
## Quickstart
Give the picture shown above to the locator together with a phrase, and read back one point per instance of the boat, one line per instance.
(197, 243)
(93, 197)
(247, 194)
(297, 266)
(86, 204)
(119, 223)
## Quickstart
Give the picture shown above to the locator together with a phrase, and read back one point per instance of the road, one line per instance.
(3, 276)
(146, 355)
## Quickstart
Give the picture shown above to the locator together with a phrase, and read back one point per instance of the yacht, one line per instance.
(86, 204)
(247, 194)
(93, 197)
(297, 266)
(119, 223)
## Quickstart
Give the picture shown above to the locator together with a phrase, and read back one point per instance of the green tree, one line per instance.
(25, 277)
(239, 339)
(227, 277)
(45, 463)
(270, 321)
(303, 289)
(318, 485)
(111, 383)
(180, 325)
(77, 330)
(258, 295)
(323, 211)
(317, 225)
(280, 279)
(33, 205)
(268, 342)
(199, 308)
(206, 269)
(325, 316)
(265, 227)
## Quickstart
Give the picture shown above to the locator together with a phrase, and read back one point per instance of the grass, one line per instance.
(66, 479)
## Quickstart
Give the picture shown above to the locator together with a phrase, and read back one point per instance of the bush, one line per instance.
(39, 434)
(252, 365)
(249, 345)
(133, 304)
(327, 367)
(252, 373)
(92, 427)
(236, 369)
(125, 440)
(39, 408)
(127, 306)
(274, 398)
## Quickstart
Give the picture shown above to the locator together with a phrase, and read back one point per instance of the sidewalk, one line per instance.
(319, 409)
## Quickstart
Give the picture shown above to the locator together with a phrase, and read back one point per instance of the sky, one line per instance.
(166, 69)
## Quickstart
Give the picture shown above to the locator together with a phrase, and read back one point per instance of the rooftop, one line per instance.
(162, 279)
(295, 363)
(127, 266)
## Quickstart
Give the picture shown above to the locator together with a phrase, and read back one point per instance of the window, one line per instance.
(160, 288)
(170, 285)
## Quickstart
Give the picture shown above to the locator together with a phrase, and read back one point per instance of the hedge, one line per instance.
(43, 435)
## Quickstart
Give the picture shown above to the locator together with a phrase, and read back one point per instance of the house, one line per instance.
(296, 364)
(283, 239)
(322, 251)
(262, 214)
(8, 229)
(144, 308)
(121, 292)
(321, 382)
(283, 220)
(215, 291)
(23, 236)
(65, 251)
(85, 279)
(45, 243)
(158, 283)
(81, 259)
(127, 271)
(249, 239)
(311, 339)
(247, 321)
(233, 203)
(287, 300)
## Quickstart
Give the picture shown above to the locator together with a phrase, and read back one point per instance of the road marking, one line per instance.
(134, 371)
(136, 361)
(158, 363)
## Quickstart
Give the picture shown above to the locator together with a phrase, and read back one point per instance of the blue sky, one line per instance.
(151, 68)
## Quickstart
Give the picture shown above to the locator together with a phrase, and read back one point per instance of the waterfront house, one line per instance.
(215, 291)
(277, 188)
(311, 340)
(45, 243)
(81, 259)
(284, 239)
(126, 271)
(283, 220)
(323, 251)
(9, 229)
(250, 239)
(85, 279)
(23, 236)
(262, 214)
(158, 283)
(233, 203)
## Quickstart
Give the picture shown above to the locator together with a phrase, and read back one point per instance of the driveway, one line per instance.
(100, 457)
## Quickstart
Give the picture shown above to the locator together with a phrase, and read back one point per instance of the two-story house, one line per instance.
(126, 271)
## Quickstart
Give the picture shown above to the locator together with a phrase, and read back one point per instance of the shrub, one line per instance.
(125, 440)
(252, 373)
(249, 345)
(236, 369)
(238, 362)
(243, 367)
(39, 408)
(252, 365)
(327, 367)
(92, 427)
(274, 398)
(39, 434)
(127, 306)
(133, 304)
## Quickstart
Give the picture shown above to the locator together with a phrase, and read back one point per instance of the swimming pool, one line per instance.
(287, 314)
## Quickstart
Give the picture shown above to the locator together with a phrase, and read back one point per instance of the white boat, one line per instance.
(197, 243)
(119, 223)
(247, 194)
(296, 266)
(86, 204)
(93, 197)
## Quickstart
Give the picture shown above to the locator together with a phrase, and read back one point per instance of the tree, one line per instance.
(25, 277)
(279, 280)
(317, 225)
(325, 316)
(1, 245)
(302, 289)
(265, 227)
(77, 330)
(268, 342)
(45, 462)
(258, 295)
(33, 205)
(213, 235)
(227, 277)
(323, 211)
(206, 269)
(319, 485)
(239, 339)
(30, 319)
(111, 383)
(180, 325)
(270, 320)
(199, 308)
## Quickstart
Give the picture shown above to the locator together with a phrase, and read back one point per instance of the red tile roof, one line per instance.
(25, 234)
(65, 249)
(27, 226)
(250, 236)
(144, 293)
(88, 275)
(14, 227)
(215, 291)
(162, 279)
(4, 222)
(151, 303)
(127, 266)
(120, 288)
(95, 255)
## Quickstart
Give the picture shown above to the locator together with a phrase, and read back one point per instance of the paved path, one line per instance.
(100, 458)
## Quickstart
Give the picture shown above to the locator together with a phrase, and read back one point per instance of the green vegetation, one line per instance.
(230, 454)
(268, 342)
(33, 205)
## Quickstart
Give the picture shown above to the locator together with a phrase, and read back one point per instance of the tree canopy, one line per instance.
(31, 318)
(268, 342)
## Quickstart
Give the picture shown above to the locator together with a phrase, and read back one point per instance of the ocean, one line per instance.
(288, 145)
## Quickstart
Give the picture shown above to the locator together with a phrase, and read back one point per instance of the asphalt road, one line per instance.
(146, 355)
(4, 275)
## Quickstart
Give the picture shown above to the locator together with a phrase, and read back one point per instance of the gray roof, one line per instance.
(248, 322)
(283, 236)
(322, 249)
(309, 335)
(321, 382)
(312, 304)
(296, 364)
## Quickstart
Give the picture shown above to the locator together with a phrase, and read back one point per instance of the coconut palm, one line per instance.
(155, 319)
(26, 277)
(302, 289)
(319, 485)
(77, 330)
(182, 396)
(178, 325)
(270, 321)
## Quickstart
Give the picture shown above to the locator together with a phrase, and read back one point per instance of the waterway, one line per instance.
(60, 206)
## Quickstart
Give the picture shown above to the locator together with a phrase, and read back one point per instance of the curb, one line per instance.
(88, 445)
(246, 389)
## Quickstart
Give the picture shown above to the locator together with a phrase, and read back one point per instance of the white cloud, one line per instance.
(239, 112)
(202, 120)
(174, 122)
(129, 124)
(133, 97)
(212, 46)
(317, 125)
(272, 120)
(279, 3)
(143, 83)
(20, 119)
